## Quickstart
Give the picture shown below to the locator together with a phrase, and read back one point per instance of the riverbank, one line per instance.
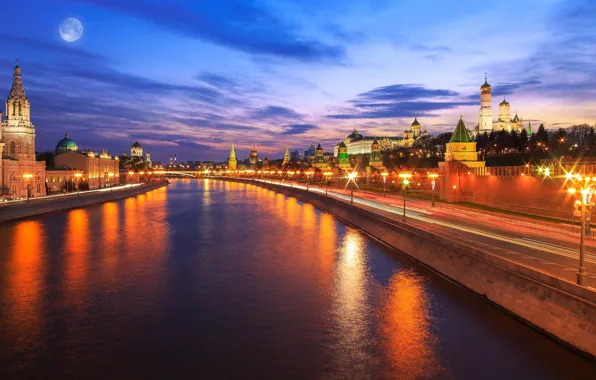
(558, 308)
(54, 204)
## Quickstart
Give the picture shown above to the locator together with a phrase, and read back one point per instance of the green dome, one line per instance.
(65, 145)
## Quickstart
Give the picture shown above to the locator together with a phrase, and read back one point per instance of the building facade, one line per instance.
(486, 124)
(136, 150)
(356, 143)
(254, 156)
(98, 170)
(462, 148)
(20, 174)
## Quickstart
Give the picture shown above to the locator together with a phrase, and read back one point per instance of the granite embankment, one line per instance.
(559, 308)
(47, 205)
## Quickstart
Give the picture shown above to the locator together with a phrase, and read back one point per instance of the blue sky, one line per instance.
(191, 77)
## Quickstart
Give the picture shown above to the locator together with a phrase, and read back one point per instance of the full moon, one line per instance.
(71, 29)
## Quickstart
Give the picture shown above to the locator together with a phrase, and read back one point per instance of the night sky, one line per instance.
(191, 77)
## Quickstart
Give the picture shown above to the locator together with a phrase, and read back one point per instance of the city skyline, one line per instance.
(191, 81)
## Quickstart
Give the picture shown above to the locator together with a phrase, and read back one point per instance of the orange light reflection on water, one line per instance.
(25, 283)
(409, 343)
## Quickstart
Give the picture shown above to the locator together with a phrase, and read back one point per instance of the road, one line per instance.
(548, 247)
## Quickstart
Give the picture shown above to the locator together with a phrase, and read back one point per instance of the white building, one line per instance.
(359, 144)
(136, 150)
(486, 122)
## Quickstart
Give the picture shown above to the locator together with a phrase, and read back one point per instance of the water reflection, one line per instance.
(76, 252)
(409, 343)
(350, 308)
(25, 285)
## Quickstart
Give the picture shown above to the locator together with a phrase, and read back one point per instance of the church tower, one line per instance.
(320, 162)
(376, 159)
(286, 158)
(254, 156)
(20, 174)
(232, 160)
(486, 111)
(18, 133)
(504, 113)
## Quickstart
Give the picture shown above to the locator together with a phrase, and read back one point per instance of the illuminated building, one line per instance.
(136, 150)
(462, 148)
(356, 143)
(98, 170)
(344, 159)
(320, 162)
(254, 156)
(232, 163)
(65, 145)
(20, 174)
(486, 123)
(266, 164)
(376, 159)
(286, 157)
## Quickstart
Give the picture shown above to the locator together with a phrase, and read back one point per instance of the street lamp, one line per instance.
(583, 208)
(454, 188)
(352, 178)
(405, 181)
(78, 177)
(433, 177)
(327, 175)
(384, 174)
(27, 178)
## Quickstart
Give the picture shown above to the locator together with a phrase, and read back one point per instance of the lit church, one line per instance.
(20, 174)
(486, 122)
(359, 144)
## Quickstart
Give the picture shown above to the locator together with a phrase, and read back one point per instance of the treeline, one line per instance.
(503, 148)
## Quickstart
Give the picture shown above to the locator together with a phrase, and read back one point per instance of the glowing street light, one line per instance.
(384, 175)
(352, 177)
(405, 182)
(583, 208)
(433, 177)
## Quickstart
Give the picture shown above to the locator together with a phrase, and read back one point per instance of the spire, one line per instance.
(461, 133)
(232, 153)
(18, 90)
(529, 127)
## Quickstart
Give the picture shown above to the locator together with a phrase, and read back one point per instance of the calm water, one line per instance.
(205, 279)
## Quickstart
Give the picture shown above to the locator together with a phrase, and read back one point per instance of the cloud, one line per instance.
(401, 100)
(276, 112)
(216, 80)
(297, 129)
(399, 92)
(402, 109)
(240, 25)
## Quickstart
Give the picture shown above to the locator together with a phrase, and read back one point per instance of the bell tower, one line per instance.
(17, 105)
(486, 111)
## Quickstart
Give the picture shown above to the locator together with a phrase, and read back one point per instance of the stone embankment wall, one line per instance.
(559, 308)
(42, 206)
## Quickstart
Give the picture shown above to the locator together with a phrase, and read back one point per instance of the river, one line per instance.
(210, 279)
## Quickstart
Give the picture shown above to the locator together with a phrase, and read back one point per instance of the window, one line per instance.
(13, 148)
(38, 188)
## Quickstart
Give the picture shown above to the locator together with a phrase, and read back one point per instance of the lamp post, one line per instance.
(352, 178)
(433, 177)
(405, 177)
(327, 175)
(384, 174)
(27, 178)
(454, 188)
(78, 177)
(583, 209)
